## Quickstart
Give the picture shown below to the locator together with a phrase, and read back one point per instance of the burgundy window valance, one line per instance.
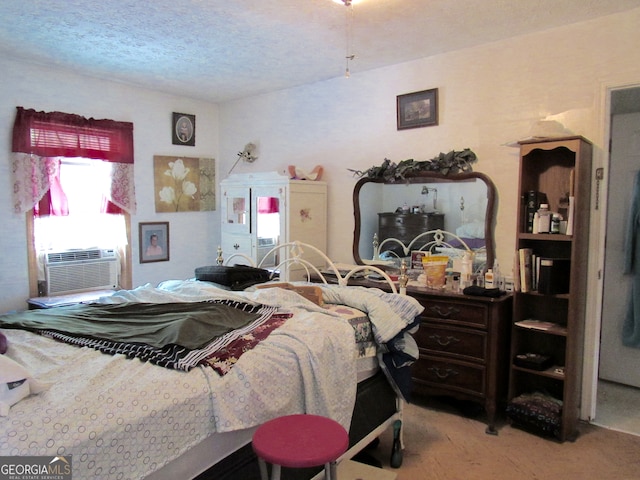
(57, 134)
(41, 138)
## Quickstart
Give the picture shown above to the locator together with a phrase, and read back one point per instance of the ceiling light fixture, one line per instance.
(349, 34)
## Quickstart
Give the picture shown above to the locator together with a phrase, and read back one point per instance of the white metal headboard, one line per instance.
(295, 256)
(434, 239)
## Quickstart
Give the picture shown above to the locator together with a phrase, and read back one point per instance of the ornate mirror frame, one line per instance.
(430, 177)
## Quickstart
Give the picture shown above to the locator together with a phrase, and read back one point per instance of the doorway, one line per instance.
(619, 366)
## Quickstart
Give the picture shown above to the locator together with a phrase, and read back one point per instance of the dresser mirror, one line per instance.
(461, 203)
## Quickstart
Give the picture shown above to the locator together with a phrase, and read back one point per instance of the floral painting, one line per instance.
(184, 184)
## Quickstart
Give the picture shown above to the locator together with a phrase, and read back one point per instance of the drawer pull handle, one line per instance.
(443, 374)
(444, 313)
(444, 342)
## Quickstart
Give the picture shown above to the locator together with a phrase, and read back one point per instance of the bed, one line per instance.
(121, 414)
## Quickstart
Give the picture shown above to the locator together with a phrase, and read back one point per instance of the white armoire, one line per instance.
(262, 210)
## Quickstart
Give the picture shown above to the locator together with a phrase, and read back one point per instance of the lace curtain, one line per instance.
(39, 137)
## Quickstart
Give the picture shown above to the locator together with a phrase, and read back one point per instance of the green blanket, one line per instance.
(191, 325)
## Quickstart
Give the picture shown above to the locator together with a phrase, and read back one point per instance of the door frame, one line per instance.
(595, 282)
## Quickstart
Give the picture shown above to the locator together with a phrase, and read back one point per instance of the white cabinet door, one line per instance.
(260, 211)
(233, 244)
(236, 210)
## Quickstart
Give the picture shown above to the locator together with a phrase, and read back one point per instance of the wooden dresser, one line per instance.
(464, 348)
(406, 226)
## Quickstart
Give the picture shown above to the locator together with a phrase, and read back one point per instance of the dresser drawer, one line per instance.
(456, 342)
(461, 313)
(456, 376)
(422, 221)
(398, 220)
(396, 232)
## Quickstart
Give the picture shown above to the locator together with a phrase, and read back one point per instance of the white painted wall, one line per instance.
(489, 95)
(192, 235)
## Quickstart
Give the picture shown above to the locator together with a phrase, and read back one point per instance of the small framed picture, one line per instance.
(183, 131)
(154, 242)
(417, 109)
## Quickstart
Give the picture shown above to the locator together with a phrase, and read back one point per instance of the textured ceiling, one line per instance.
(219, 50)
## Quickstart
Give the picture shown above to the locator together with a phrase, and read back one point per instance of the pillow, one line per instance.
(474, 229)
(16, 383)
(538, 412)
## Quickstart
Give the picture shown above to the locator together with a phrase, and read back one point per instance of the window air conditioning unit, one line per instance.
(74, 271)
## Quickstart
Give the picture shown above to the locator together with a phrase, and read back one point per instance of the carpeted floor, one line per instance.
(443, 444)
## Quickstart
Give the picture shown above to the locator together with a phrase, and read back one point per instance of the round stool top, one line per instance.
(300, 441)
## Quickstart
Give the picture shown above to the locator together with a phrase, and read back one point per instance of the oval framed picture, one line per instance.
(183, 130)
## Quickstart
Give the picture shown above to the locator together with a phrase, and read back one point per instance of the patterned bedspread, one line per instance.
(123, 418)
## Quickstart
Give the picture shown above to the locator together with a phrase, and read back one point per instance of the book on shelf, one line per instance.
(516, 271)
(570, 215)
(555, 274)
(526, 269)
(544, 326)
(572, 207)
(532, 202)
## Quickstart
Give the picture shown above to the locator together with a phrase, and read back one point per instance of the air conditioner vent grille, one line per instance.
(74, 271)
(73, 256)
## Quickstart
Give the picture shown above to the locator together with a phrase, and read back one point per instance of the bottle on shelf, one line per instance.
(544, 218)
(465, 270)
(498, 279)
(489, 279)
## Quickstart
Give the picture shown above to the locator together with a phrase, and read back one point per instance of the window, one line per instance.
(86, 184)
(68, 170)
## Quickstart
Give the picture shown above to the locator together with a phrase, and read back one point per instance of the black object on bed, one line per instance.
(237, 277)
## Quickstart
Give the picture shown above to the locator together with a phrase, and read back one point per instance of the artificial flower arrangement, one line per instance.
(444, 163)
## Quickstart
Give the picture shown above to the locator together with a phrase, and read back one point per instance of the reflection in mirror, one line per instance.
(461, 203)
(268, 228)
(236, 210)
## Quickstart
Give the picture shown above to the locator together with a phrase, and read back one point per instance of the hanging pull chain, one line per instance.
(349, 37)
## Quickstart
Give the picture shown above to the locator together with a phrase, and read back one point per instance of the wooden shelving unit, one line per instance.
(556, 167)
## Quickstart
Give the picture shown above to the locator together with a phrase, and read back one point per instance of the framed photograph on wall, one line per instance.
(183, 129)
(154, 242)
(417, 109)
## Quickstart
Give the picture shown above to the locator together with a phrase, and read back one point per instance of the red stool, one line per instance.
(299, 441)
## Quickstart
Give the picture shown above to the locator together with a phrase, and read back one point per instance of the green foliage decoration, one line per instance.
(444, 163)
